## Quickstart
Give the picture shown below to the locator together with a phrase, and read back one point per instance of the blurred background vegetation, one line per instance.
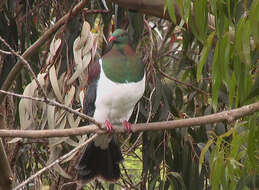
(201, 57)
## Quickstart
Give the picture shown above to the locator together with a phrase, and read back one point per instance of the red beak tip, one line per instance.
(112, 38)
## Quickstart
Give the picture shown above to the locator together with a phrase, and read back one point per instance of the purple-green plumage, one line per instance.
(116, 83)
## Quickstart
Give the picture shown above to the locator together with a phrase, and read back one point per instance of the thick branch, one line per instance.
(156, 8)
(149, 7)
(228, 116)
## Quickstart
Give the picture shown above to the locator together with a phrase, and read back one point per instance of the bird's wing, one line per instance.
(90, 95)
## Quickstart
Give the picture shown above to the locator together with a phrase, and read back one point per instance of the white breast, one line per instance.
(115, 101)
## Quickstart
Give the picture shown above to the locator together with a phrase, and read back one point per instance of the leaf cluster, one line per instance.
(203, 60)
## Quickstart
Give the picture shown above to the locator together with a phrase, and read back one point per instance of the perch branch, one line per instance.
(55, 162)
(229, 116)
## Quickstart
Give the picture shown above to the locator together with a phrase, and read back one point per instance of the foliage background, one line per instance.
(201, 57)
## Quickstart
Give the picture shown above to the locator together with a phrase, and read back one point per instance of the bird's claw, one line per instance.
(127, 126)
(108, 126)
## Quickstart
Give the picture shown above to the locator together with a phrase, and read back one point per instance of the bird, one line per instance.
(115, 84)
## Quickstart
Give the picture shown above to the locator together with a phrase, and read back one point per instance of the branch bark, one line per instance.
(228, 116)
(156, 8)
(150, 7)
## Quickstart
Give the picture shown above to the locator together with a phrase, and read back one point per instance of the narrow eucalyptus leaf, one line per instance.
(171, 10)
(204, 55)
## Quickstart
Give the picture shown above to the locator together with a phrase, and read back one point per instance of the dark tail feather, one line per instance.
(96, 162)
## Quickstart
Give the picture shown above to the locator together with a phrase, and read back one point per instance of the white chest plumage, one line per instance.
(115, 101)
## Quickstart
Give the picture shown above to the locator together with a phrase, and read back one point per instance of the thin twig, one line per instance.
(148, 120)
(183, 83)
(150, 57)
(95, 11)
(126, 173)
(54, 103)
(55, 162)
(33, 10)
(27, 65)
(5, 52)
(37, 44)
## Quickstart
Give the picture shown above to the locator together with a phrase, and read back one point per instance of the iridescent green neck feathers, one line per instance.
(121, 64)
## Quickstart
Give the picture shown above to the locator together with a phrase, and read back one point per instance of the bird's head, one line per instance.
(119, 36)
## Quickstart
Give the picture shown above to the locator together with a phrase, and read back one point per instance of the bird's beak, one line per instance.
(112, 38)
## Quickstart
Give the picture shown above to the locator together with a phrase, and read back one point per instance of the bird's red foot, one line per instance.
(127, 126)
(108, 126)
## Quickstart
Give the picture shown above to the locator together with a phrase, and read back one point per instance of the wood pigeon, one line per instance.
(115, 85)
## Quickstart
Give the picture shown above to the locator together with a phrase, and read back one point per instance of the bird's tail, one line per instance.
(102, 163)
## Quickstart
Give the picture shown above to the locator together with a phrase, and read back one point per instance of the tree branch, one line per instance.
(36, 45)
(54, 103)
(183, 83)
(156, 8)
(228, 116)
(150, 7)
(27, 65)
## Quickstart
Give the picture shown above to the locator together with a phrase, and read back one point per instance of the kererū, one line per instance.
(115, 85)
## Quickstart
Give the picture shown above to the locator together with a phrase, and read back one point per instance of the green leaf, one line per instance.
(216, 77)
(156, 97)
(252, 141)
(218, 171)
(171, 10)
(236, 143)
(136, 25)
(180, 4)
(246, 43)
(238, 73)
(186, 10)
(224, 58)
(232, 89)
(204, 55)
(243, 182)
(179, 179)
(244, 81)
(152, 183)
(202, 155)
(242, 40)
(199, 22)
(178, 97)
(255, 89)
(168, 101)
(254, 19)
(201, 14)
(238, 37)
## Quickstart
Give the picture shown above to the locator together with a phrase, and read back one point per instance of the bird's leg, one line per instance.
(108, 126)
(127, 126)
